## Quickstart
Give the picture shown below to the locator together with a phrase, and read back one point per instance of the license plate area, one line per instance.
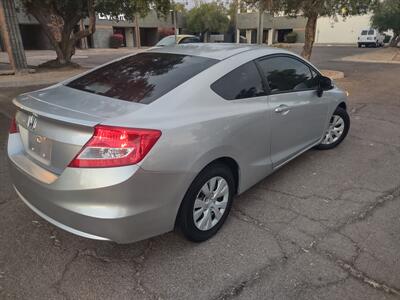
(40, 148)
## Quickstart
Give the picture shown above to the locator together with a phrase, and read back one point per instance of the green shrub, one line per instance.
(387, 38)
(116, 40)
(291, 37)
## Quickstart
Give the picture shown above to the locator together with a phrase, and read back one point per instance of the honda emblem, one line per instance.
(31, 123)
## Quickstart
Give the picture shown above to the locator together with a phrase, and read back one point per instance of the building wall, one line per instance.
(249, 21)
(101, 37)
(341, 31)
(329, 30)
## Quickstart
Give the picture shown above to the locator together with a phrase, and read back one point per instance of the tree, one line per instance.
(59, 18)
(11, 35)
(206, 18)
(386, 16)
(313, 9)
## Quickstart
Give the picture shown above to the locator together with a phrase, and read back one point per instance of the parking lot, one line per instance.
(325, 226)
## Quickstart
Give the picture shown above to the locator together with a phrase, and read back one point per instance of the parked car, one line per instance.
(166, 138)
(180, 39)
(371, 37)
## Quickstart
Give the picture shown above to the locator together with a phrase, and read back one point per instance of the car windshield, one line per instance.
(167, 41)
(364, 32)
(371, 32)
(143, 77)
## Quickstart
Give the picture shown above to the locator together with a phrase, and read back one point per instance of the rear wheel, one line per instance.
(339, 126)
(359, 45)
(207, 203)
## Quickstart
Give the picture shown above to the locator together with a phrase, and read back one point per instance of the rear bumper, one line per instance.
(123, 204)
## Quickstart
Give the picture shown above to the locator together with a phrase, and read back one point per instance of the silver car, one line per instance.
(166, 138)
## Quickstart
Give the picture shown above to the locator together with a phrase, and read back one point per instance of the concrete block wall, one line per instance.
(101, 37)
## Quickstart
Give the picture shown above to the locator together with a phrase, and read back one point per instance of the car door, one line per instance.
(297, 114)
(247, 105)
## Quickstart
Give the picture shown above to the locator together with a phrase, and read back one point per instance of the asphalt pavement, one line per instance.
(325, 226)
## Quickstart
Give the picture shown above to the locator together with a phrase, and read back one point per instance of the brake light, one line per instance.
(13, 126)
(115, 147)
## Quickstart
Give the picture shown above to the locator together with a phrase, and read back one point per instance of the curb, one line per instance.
(332, 74)
(369, 61)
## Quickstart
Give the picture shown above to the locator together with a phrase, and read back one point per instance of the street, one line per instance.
(325, 226)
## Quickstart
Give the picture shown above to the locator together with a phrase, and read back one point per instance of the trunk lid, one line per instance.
(56, 122)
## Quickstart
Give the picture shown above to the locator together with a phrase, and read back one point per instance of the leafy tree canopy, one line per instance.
(129, 8)
(207, 17)
(59, 18)
(312, 10)
(386, 16)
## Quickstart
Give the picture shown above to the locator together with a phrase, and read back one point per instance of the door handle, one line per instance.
(282, 109)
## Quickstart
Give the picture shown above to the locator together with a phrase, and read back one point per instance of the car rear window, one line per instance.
(364, 32)
(143, 77)
(371, 32)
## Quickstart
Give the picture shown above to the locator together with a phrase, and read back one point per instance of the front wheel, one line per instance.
(339, 126)
(207, 203)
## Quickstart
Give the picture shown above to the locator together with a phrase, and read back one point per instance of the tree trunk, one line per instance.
(59, 31)
(395, 40)
(12, 36)
(311, 27)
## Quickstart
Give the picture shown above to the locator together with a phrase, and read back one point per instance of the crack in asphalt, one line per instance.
(356, 109)
(92, 253)
(359, 275)
(363, 214)
(67, 266)
(262, 272)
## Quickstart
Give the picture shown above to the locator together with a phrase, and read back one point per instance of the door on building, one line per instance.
(34, 38)
(148, 36)
(265, 36)
(282, 33)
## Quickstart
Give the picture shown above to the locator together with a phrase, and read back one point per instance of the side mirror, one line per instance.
(324, 83)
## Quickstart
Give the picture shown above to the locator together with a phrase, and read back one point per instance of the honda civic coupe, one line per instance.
(166, 138)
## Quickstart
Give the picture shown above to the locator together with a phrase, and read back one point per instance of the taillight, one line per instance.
(13, 126)
(115, 147)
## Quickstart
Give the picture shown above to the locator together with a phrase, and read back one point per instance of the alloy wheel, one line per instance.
(335, 130)
(211, 203)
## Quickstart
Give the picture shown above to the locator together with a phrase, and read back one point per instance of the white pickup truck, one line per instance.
(370, 37)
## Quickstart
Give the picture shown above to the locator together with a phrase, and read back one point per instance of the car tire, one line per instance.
(331, 138)
(194, 219)
(359, 45)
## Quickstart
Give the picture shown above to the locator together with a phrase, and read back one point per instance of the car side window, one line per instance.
(188, 40)
(243, 82)
(286, 74)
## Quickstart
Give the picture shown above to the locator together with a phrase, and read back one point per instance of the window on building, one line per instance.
(243, 82)
(143, 77)
(285, 74)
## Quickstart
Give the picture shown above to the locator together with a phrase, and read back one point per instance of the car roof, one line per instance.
(218, 51)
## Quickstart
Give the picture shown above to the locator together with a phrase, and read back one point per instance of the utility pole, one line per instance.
(260, 27)
(175, 29)
(12, 36)
(137, 31)
(173, 16)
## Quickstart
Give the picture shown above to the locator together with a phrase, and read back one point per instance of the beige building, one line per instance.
(329, 30)
(341, 31)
